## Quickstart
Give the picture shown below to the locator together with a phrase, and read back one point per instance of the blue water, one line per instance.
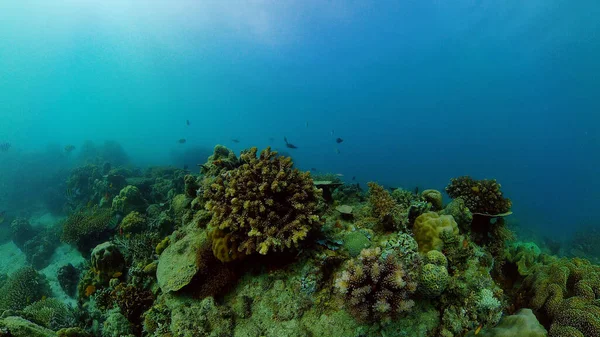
(420, 91)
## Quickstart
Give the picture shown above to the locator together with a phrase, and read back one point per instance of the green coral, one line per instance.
(480, 196)
(22, 288)
(134, 222)
(222, 159)
(263, 205)
(434, 276)
(461, 214)
(521, 324)
(129, 199)
(356, 241)
(50, 313)
(524, 255)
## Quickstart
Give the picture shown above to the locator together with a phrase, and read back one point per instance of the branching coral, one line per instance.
(383, 206)
(263, 205)
(86, 228)
(376, 287)
(480, 196)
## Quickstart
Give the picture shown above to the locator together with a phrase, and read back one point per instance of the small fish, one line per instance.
(313, 169)
(69, 148)
(353, 177)
(235, 140)
(288, 144)
(306, 124)
(182, 141)
(187, 122)
(465, 244)
(339, 140)
(185, 167)
(271, 139)
(478, 329)
(4, 147)
(339, 174)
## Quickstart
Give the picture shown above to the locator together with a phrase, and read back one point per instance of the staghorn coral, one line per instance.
(428, 227)
(263, 205)
(86, 228)
(564, 294)
(50, 313)
(22, 288)
(384, 207)
(375, 287)
(480, 196)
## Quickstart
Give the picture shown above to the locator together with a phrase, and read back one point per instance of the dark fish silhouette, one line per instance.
(353, 177)
(185, 167)
(4, 147)
(235, 140)
(187, 122)
(271, 139)
(288, 144)
(313, 169)
(182, 141)
(339, 140)
(69, 148)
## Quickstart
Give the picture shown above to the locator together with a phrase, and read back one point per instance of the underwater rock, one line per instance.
(20, 327)
(107, 260)
(68, 277)
(427, 229)
(434, 197)
(522, 324)
(178, 263)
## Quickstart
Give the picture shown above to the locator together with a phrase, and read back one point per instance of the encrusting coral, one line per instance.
(261, 206)
(375, 287)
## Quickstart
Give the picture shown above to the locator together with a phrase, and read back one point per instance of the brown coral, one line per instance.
(480, 196)
(383, 206)
(428, 227)
(376, 287)
(261, 206)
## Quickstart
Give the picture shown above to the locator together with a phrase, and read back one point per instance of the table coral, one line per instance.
(375, 287)
(261, 206)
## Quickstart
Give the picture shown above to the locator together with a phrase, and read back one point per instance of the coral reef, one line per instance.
(129, 199)
(376, 288)
(86, 228)
(22, 288)
(521, 324)
(50, 313)
(480, 196)
(107, 260)
(427, 229)
(134, 222)
(14, 326)
(263, 205)
(434, 197)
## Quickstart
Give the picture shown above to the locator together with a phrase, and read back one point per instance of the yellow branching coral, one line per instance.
(260, 206)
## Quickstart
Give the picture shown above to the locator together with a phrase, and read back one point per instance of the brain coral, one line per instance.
(376, 287)
(263, 205)
(480, 196)
(565, 292)
(434, 276)
(427, 229)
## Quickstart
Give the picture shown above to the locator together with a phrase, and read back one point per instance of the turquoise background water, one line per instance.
(420, 91)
